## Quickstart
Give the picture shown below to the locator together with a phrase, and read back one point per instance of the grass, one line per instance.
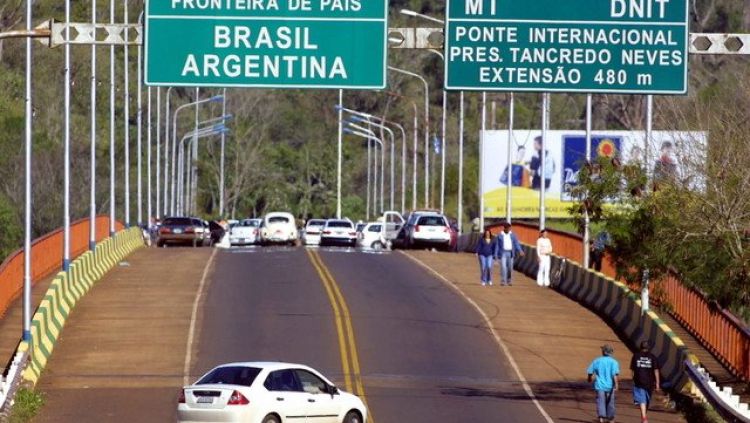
(26, 405)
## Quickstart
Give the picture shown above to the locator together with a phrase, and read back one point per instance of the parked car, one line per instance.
(246, 232)
(278, 228)
(338, 232)
(312, 232)
(370, 236)
(263, 392)
(427, 229)
(181, 230)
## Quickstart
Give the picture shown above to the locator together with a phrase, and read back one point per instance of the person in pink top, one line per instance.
(543, 251)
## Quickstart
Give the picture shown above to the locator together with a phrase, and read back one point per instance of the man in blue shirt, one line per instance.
(506, 248)
(604, 372)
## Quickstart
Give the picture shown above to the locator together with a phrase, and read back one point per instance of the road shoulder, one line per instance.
(551, 338)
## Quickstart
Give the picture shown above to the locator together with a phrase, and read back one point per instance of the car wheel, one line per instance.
(352, 417)
(377, 246)
(271, 418)
(160, 244)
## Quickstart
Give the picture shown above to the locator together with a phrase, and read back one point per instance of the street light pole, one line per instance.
(368, 119)
(126, 120)
(92, 135)
(28, 114)
(442, 139)
(339, 154)
(460, 164)
(168, 201)
(586, 217)
(426, 133)
(66, 147)
(149, 210)
(112, 164)
(481, 164)
(181, 207)
(157, 147)
(369, 131)
(167, 182)
(139, 124)
(509, 187)
(222, 161)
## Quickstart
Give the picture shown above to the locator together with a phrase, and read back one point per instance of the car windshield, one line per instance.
(177, 221)
(230, 375)
(374, 228)
(316, 223)
(431, 221)
(339, 224)
(249, 223)
(278, 219)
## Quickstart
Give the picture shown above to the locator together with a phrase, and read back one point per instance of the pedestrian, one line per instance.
(598, 247)
(646, 378)
(604, 372)
(506, 248)
(543, 251)
(485, 251)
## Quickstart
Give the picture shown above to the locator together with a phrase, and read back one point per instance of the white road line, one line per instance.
(500, 343)
(193, 318)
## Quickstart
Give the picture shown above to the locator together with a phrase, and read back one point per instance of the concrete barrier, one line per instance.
(620, 307)
(64, 293)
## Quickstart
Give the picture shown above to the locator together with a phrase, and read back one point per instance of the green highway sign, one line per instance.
(266, 43)
(588, 46)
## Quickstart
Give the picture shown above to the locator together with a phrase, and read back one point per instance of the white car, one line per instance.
(278, 228)
(246, 232)
(371, 236)
(337, 232)
(266, 392)
(313, 229)
(430, 230)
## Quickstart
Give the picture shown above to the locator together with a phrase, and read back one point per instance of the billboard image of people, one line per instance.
(565, 156)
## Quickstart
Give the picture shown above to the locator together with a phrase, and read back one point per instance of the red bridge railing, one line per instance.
(718, 330)
(46, 256)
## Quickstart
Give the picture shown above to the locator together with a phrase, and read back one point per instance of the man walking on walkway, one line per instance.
(543, 251)
(645, 369)
(506, 249)
(604, 372)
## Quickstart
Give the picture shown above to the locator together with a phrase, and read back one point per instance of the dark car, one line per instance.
(182, 230)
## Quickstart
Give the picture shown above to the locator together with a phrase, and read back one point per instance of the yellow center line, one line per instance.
(339, 325)
(346, 339)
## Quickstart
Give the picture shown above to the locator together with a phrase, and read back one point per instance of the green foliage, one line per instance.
(26, 406)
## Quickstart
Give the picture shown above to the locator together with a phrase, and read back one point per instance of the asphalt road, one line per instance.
(423, 353)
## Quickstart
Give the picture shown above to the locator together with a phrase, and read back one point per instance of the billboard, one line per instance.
(668, 153)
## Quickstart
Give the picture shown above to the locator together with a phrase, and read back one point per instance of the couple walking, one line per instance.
(505, 248)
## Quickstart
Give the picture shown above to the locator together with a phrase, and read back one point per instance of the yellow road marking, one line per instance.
(338, 319)
(343, 320)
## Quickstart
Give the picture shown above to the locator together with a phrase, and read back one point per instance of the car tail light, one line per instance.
(181, 400)
(352, 233)
(189, 230)
(416, 228)
(446, 229)
(326, 232)
(237, 399)
(165, 231)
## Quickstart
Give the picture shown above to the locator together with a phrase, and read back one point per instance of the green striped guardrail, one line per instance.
(66, 290)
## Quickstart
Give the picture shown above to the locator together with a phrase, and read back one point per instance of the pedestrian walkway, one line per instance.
(551, 338)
